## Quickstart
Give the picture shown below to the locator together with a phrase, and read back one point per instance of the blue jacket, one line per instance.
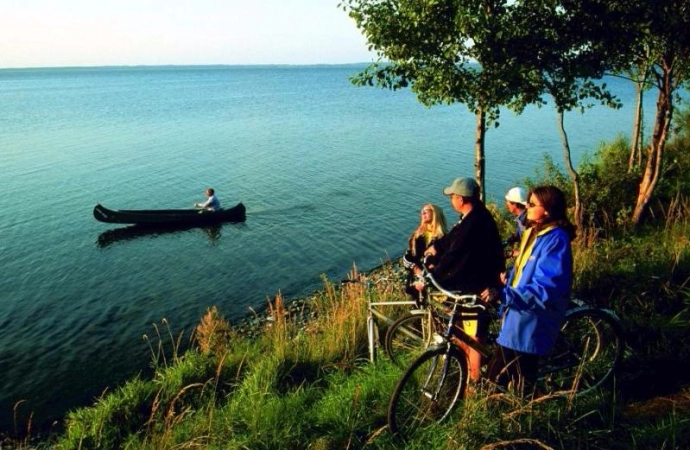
(534, 305)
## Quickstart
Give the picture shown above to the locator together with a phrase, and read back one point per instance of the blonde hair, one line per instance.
(433, 230)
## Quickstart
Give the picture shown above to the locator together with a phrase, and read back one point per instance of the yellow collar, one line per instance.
(529, 237)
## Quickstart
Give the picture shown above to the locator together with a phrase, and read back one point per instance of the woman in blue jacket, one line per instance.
(537, 292)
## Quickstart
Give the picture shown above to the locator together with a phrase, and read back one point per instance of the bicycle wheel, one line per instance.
(428, 390)
(408, 337)
(372, 338)
(588, 349)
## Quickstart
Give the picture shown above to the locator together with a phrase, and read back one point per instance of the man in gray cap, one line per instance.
(470, 256)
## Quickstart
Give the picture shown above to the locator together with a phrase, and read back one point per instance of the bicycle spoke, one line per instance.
(428, 391)
(407, 338)
(587, 352)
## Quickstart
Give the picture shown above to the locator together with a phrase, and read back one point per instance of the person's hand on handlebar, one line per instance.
(419, 283)
(431, 251)
(491, 296)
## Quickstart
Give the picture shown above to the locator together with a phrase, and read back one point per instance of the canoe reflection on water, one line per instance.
(115, 235)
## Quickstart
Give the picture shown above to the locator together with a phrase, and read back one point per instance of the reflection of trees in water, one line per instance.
(213, 233)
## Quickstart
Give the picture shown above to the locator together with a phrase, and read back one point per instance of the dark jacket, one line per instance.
(470, 256)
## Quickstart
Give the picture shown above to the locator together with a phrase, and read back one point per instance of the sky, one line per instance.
(58, 33)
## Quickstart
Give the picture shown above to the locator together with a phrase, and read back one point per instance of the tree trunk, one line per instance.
(641, 80)
(655, 150)
(571, 170)
(479, 156)
(636, 141)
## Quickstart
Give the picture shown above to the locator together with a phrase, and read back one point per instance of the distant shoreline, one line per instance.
(189, 66)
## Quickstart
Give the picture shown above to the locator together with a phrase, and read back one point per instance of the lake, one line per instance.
(331, 175)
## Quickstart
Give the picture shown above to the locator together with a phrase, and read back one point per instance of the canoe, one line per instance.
(170, 217)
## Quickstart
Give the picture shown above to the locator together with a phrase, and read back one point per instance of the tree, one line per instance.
(566, 49)
(666, 41)
(640, 73)
(490, 53)
(445, 51)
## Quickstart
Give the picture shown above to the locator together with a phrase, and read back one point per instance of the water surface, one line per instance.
(330, 174)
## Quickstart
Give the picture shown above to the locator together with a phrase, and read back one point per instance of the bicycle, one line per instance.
(585, 356)
(412, 333)
(408, 335)
(587, 352)
(374, 316)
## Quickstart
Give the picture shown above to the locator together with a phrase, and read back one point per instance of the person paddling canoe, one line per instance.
(212, 203)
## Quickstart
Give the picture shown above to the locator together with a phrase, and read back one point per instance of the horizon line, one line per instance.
(144, 66)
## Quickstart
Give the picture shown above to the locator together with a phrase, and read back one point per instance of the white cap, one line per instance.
(516, 195)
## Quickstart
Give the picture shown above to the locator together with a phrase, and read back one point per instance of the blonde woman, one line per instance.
(432, 226)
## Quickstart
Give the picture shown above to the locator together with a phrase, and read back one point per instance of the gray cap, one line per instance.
(466, 187)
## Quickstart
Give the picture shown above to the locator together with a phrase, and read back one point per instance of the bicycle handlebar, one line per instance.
(471, 301)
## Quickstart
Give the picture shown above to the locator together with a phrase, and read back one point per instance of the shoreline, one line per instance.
(300, 310)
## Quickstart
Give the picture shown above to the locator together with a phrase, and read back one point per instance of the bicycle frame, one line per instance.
(466, 303)
(455, 336)
(373, 314)
(415, 331)
(586, 354)
(373, 326)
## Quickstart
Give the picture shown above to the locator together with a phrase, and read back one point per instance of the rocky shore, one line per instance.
(301, 310)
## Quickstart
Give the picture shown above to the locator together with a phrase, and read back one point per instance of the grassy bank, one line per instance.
(307, 383)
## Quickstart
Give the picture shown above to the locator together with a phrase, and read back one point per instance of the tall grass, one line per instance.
(234, 391)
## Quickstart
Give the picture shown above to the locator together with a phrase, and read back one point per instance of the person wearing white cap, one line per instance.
(516, 202)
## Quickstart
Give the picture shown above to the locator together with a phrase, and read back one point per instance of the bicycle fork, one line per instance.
(372, 336)
(433, 392)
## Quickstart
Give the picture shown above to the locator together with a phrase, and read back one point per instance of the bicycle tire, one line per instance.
(428, 391)
(588, 350)
(407, 337)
